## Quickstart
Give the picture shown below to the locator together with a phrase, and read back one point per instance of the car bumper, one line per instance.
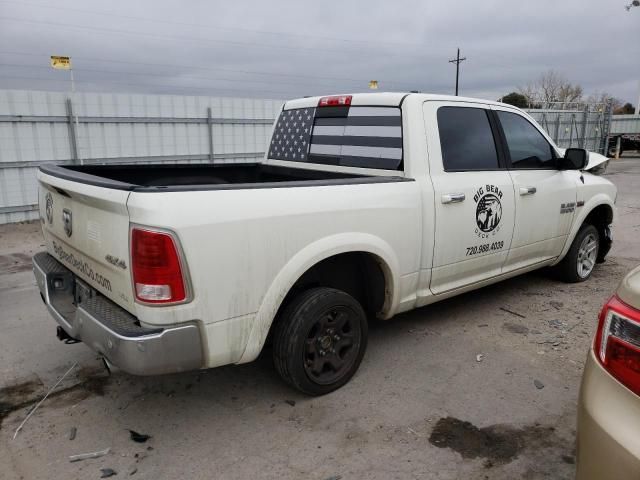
(608, 427)
(112, 331)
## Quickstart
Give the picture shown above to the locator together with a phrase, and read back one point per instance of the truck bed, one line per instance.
(185, 177)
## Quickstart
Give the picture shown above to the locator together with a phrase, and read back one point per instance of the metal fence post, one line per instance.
(557, 134)
(73, 139)
(571, 127)
(607, 128)
(210, 133)
(585, 121)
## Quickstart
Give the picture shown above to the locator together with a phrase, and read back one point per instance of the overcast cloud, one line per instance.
(284, 49)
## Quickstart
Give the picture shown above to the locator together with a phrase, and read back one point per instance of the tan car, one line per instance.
(609, 405)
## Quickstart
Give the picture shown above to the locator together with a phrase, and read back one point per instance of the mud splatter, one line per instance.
(515, 328)
(498, 444)
(15, 262)
(27, 392)
(14, 394)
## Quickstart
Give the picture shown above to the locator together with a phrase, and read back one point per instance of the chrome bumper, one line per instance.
(112, 331)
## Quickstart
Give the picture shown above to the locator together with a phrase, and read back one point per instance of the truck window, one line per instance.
(527, 146)
(365, 137)
(466, 139)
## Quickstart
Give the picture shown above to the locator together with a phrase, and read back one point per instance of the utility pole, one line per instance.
(457, 61)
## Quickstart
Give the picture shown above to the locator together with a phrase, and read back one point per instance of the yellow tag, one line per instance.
(373, 84)
(61, 63)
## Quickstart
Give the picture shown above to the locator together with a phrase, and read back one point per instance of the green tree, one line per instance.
(516, 99)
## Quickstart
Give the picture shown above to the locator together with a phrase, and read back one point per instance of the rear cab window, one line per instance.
(466, 139)
(352, 136)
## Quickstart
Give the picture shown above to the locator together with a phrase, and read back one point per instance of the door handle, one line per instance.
(453, 198)
(527, 190)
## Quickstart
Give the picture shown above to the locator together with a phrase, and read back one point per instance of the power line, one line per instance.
(95, 29)
(160, 75)
(166, 88)
(207, 26)
(383, 82)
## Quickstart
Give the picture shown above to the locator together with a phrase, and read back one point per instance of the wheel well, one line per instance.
(360, 274)
(600, 217)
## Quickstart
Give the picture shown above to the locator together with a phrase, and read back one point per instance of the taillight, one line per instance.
(335, 101)
(617, 343)
(155, 264)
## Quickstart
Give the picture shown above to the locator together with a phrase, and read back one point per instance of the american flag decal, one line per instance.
(367, 137)
(291, 136)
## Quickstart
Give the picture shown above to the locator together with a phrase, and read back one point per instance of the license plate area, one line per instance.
(82, 292)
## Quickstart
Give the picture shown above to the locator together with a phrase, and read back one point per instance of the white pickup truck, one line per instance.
(365, 206)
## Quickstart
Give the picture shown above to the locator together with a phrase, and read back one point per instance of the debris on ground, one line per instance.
(516, 328)
(138, 437)
(290, 402)
(555, 304)
(334, 477)
(86, 456)
(107, 472)
(43, 399)
(133, 471)
(479, 357)
(72, 433)
(512, 312)
(539, 385)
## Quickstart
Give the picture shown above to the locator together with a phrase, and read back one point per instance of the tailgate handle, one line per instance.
(62, 192)
(528, 190)
(453, 198)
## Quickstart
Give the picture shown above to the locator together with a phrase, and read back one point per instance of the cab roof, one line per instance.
(384, 99)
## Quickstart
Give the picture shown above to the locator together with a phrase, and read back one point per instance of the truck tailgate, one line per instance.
(86, 227)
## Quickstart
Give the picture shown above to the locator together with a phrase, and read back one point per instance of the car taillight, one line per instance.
(335, 101)
(155, 264)
(617, 343)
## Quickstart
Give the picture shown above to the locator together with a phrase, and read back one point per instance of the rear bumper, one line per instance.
(112, 331)
(608, 426)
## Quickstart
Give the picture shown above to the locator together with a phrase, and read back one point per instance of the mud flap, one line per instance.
(606, 239)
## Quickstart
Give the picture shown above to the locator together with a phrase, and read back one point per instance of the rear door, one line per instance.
(545, 196)
(474, 198)
(86, 228)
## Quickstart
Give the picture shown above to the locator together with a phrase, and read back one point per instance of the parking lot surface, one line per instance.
(483, 385)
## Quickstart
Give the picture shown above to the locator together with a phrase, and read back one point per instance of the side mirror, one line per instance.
(574, 159)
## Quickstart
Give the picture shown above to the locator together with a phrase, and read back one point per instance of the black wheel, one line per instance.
(319, 341)
(578, 264)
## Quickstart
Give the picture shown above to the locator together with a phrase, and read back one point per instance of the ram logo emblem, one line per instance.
(67, 221)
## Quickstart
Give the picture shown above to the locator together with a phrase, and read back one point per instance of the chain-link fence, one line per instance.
(579, 125)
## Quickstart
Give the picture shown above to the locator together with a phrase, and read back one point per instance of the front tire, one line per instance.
(578, 264)
(319, 341)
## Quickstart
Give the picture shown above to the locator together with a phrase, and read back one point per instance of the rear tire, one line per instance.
(580, 260)
(319, 340)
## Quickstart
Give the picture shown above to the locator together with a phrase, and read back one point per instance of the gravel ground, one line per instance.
(421, 406)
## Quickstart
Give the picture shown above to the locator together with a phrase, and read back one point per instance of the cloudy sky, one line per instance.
(284, 49)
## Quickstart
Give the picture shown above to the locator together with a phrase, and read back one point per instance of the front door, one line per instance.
(474, 198)
(545, 197)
